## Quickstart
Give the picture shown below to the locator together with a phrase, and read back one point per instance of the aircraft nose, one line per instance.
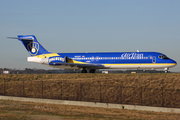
(173, 61)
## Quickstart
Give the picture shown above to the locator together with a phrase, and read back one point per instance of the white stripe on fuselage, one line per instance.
(126, 66)
(137, 66)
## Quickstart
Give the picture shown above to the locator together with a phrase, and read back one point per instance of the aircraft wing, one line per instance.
(90, 66)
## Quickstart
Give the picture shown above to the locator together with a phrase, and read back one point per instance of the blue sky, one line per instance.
(89, 26)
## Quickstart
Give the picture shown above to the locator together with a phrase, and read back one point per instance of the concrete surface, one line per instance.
(93, 104)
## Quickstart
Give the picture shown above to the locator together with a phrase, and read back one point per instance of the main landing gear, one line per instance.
(90, 71)
(84, 70)
(166, 70)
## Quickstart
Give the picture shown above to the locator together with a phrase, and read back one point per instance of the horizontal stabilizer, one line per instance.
(20, 38)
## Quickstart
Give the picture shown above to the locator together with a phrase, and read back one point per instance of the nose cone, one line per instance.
(173, 62)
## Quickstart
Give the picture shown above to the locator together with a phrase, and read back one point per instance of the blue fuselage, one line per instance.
(118, 57)
(122, 60)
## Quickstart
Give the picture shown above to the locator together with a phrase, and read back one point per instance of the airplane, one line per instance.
(89, 62)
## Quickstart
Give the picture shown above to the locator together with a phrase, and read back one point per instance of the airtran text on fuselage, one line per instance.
(60, 59)
(132, 55)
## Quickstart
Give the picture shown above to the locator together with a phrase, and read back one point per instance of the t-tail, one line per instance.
(31, 44)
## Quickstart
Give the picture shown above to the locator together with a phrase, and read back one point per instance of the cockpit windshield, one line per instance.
(163, 56)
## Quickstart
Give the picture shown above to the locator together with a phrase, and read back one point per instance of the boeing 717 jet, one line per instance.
(89, 62)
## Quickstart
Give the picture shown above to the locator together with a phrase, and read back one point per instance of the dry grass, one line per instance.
(27, 110)
(52, 89)
(86, 87)
(158, 80)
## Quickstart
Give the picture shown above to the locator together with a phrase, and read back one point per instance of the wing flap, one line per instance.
(90, 66)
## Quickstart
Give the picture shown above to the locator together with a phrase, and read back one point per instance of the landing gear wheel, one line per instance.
(92, 71)
(84, 71)
(166, 70)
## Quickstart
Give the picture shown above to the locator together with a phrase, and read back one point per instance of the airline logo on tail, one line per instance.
(33, 48)
(30, 43)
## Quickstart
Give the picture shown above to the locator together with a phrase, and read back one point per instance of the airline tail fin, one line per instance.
(31, 44)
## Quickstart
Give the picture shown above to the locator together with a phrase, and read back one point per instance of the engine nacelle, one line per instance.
(58, 59)
(50, 60)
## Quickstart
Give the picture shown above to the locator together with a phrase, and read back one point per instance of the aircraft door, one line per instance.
(154, 59)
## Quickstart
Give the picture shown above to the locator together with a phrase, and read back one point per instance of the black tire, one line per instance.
(92, 71)
(84, 71)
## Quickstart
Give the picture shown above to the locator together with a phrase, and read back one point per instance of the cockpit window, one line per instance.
(163, 56)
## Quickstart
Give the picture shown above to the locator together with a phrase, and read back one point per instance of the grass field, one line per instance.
(14, 110)
(51, 89)
(141, 89)
(159, 80)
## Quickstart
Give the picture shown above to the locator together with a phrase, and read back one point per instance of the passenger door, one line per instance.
(154, 59)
